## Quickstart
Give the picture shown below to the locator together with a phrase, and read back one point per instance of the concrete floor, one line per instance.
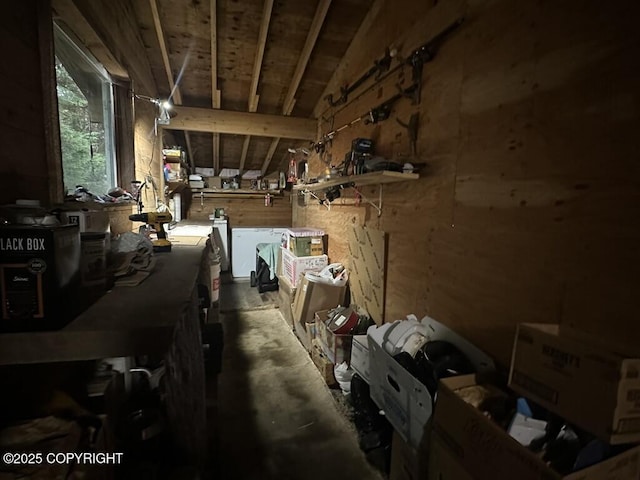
(277, 418)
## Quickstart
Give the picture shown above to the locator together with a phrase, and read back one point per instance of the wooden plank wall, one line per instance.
(527, 210)
(244, 212)
(148, 154)
(23, 159)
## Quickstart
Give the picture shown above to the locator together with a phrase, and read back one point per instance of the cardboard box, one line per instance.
(596, 389)
(360, 361)
(294, 267)
(406, 401)
(483, 448)
(336, 347)
(312, 297)
(443, 464)
(407, 463)
(322, 363)
(214, 182)
(286, 295)
(304, 232)
(306, 246)
(300, 330)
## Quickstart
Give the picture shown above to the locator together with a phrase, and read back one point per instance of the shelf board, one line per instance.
(238, 193)
(373, 178)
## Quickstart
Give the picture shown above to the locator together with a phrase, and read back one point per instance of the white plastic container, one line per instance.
(93, 262)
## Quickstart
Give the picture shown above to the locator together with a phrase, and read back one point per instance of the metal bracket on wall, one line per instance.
(378, 207)
(320, 200)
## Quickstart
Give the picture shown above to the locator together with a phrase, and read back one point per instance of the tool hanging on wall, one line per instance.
(376, 114)
(416, 60)
(378, 68)
(412, 131)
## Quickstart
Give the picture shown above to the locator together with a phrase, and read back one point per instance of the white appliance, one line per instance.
(243, 247)
(221, 238)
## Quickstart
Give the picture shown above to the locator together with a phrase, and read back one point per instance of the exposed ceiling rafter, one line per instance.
(303, 60)
(358, 44)
(216, 95)
(176, 96)
(254, 98)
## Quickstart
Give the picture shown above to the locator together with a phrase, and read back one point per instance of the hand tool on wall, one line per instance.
(379, 67)
(156, 220)
(376, 114)
(412, 131)
(416, 60)
(425, 54)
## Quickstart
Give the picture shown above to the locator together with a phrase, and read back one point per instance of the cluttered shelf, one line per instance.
(234, 193)
(123, 322)
(373, 178)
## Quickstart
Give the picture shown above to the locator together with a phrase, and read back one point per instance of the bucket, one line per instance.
(93, 263)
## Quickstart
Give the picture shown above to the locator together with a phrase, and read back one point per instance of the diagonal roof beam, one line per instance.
(175, 89)
(242, 123)
(354, 50)
(257, 67)
(215, 93)
(303, 60)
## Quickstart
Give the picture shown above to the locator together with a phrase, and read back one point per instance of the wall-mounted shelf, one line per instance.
(373, 178)
(238, 193)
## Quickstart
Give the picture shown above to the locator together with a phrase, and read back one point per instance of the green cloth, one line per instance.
(269, 253)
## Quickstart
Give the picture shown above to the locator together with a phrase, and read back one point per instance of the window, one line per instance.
(85, 109)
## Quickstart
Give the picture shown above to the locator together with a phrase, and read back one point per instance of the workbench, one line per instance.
(126, 321)
(159, 317)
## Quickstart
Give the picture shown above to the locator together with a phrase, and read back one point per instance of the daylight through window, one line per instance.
(85, 106)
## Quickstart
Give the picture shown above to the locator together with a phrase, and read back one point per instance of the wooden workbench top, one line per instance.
(126, 321)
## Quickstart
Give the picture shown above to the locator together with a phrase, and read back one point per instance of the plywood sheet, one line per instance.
(367, 270)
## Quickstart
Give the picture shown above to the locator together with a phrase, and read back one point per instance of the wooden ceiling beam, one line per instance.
(254, 98)
(303, 60)
(269, 156)
(243, 155)
(175, 95)
(216, 95)
(242, 123)
(257, 64)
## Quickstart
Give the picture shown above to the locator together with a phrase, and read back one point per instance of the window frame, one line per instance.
(109, 104)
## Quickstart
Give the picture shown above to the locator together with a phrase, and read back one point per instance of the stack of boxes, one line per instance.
(302, 250)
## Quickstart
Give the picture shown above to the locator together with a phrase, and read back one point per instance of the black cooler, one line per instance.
(39, 272)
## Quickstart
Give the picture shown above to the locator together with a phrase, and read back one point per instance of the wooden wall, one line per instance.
(24, 164)
(244, 212)
(527, 209)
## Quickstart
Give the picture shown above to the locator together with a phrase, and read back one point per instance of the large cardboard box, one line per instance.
(286, 295)
(488, 452)
(443, 464)
(336, 347)
(294, 267)
(593, 387)
(322, 363)
(312, 297)
(406, 462)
